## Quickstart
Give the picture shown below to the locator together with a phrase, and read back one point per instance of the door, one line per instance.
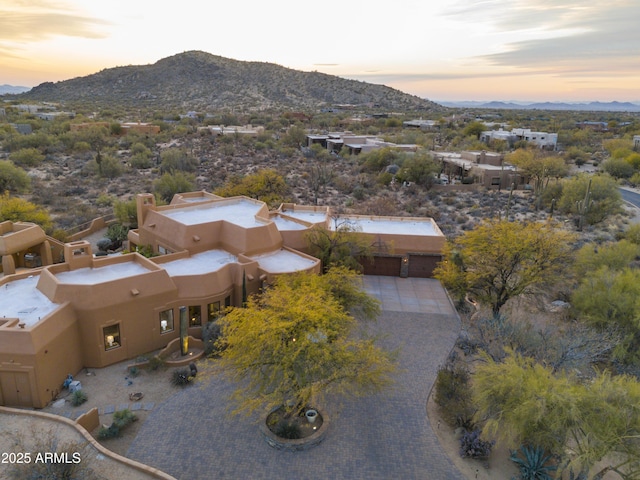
(388, 266)
(16, 389)
(422, 266)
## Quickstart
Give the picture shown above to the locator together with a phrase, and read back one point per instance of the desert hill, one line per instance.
(199, 80)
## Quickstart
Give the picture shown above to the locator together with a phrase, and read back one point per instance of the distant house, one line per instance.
(22, 128)
(421, 124)
(244, 130)
(354, 144)
(595, 126)
(485, 168)
(636, 142)
(541, 139)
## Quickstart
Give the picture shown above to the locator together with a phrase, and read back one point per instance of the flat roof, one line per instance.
(107, 273)
(240, 212)
(284, 224)
(205, 262)
(283, 261)
(396, 226)
(21, 299)
(311, 216)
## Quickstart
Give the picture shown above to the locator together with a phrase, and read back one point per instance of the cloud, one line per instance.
(33, 21)
(568, 37)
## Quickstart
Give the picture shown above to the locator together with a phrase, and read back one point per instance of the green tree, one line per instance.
(19, 210)
(295, 343)
(618, 168)
(126, 212)
(174, 160)
(500, 260)
(584, 423)
(418, 168)
(474, 128)
(169, 184)
(12, 178)
(29, 157)
(265, 185)
(341, 245)
(604, 197)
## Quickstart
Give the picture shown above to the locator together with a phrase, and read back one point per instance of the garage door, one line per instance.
(388, 266)
(422, 265)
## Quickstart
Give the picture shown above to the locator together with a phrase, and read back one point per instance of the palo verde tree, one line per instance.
(584, 423)
(266, 185)
(19, 210)
(296, 342)
(341, 245)
(500, 260)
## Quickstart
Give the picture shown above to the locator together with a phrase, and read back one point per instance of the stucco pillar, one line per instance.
(45, 253)
(8, 264)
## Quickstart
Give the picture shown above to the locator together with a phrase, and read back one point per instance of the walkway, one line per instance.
(382, 436)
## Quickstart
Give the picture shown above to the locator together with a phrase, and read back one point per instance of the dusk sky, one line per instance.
(533, 50)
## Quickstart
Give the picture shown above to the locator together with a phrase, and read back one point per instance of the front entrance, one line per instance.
(15, 389)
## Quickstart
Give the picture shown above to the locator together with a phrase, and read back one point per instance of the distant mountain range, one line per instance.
(590, 107)
(198, 80)
(12, 89)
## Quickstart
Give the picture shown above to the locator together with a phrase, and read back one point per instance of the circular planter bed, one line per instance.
(296, 432)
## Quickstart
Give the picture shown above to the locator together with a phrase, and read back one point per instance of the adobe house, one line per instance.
(92, 311)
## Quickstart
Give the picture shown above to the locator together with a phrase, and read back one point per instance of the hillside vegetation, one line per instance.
(195, 80)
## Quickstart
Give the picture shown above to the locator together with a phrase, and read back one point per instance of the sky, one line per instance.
(529, 50)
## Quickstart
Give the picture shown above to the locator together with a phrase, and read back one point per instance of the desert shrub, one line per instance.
(104, 244)
(117, 233)
(155, 363)
(472, 446)
(134, 372)
(30, 157)
(78, 398)
(533, 463)
(124, 418)
(288, 430)
(12, 178)
(210, 334)
(52, 470)
(181, 377)
(112, 431)
(453, 396)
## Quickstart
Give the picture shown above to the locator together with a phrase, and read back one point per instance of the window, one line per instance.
(213, 310)
(111, 335)
(227, 301)
(166, 321)
(195, 316)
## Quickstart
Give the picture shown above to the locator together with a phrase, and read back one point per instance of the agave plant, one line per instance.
(533, 463)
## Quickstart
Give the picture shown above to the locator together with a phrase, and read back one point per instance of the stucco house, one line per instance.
(88, 311)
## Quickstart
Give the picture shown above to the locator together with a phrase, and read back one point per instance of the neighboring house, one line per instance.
(127, 127)
(421, 124)
(22, 128)
(541, 139)
(595, 126)
(486, 168)
(636, 142)
(354, 144)
(89, 311)
(244, 130)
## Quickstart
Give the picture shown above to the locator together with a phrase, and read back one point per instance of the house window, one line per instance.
(163, 251)
(495, 180)
(195, 316)
(166, 321)
(213, 310)
(111, 335)
(227, 301)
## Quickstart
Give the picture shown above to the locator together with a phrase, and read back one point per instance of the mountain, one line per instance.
(587, 107)
(197, 80)
(12, 89)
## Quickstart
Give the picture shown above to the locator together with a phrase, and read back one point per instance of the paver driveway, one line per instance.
(382, 436)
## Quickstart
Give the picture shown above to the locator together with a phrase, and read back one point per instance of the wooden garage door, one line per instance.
(422, 265)
(16, 389)
(389, 266)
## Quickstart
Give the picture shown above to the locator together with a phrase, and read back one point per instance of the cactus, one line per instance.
(583, 207)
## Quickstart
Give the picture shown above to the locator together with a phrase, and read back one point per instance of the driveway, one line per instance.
(383, 436)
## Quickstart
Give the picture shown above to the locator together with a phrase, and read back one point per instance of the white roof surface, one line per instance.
(283, 261)
(21, 299)
(93, 276)
(238, 212)
(307, 215)
(205, 262)
(285, 224)
(392, 226)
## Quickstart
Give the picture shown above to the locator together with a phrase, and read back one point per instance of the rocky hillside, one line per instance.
(199, 80)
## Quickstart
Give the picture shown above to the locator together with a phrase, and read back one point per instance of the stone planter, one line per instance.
(298, 444)
(311, 415)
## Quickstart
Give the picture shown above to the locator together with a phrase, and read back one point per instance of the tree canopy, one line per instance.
(265, 185)
(500, 260)
(297, 342)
